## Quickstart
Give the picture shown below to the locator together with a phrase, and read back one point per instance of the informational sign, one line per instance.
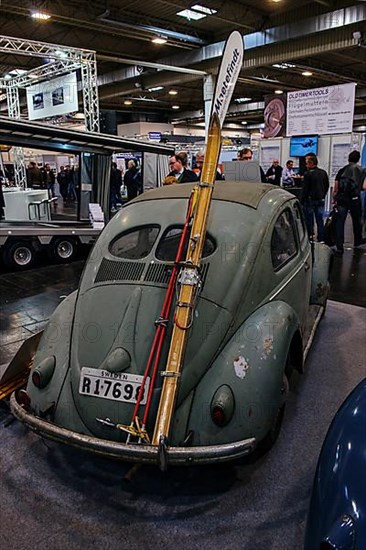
(54, 97)
(321, 111)
(154, 136)
(268, 155)
(340, 152)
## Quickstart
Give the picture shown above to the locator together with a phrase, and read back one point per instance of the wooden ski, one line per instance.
(189, 277)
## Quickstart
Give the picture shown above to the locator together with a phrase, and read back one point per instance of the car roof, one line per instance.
(242, 192)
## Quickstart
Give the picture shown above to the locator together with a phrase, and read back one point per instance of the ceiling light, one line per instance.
(40, 15)
(244, 122)
(173, 92)
(203, 9)
(17, 72)
(196, 12)
(175, 107)
(279, 92)
(189, 14)
(155, 89)
(284, 65)
(127, 102)
(307, 73)
(276, 1)
(159, 39)
(242, 99)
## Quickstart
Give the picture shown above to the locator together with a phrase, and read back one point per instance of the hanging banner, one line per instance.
(320, 111)
(274, 116)
(54, 97)
(231, 63)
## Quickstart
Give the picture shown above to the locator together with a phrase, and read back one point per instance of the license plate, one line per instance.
(118, 386)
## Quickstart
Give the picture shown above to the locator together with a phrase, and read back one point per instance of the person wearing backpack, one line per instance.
(315, 188)
(347, 197)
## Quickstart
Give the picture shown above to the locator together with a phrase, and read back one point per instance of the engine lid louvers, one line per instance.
(111, 270)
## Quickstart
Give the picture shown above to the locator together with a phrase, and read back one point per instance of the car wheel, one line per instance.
(63, 249)
(20, 255)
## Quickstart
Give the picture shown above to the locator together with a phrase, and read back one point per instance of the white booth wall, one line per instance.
(333, 151)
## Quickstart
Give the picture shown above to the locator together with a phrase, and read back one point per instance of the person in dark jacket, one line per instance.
(48, 178)
(2, 200)
(315, 188)
(247, 154)
(115, 182)
(274, 173)
(34, 176)
(63, 180)
(348, 200)
(179, 168)
(132, 180)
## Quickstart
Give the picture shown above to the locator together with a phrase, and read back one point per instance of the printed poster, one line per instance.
(54, 97)
(327, 110)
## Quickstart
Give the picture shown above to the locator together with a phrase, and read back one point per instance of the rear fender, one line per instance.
(21, 363)
(252, 365)
(55, 342)
(320, 274)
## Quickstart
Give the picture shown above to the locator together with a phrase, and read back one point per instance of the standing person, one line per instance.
(48, 178)
(179, 168)
(247, 154)
(72, 185)
(288, 174)
(34, 176)
(274, 173)
(315, 188)
(200, 158)
(2, 200)
(347, 195)
(132, 180)
(63, 181)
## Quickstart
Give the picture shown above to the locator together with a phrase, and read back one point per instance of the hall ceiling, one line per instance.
(309, 35)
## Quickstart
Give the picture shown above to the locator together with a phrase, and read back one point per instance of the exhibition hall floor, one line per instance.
(56, 497)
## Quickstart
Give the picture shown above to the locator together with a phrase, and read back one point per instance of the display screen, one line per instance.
(303, 145)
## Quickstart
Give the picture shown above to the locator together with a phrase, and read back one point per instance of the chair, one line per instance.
(38, 210)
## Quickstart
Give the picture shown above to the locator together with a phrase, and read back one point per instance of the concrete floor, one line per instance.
(56, 497)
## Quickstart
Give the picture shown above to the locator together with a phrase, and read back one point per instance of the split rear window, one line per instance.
(139, 242)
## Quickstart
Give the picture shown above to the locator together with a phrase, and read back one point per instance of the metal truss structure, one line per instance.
(63, 60)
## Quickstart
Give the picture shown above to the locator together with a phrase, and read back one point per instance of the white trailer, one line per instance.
(21, 240)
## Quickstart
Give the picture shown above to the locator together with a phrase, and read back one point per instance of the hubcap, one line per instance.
(65, 250)
(22, 255)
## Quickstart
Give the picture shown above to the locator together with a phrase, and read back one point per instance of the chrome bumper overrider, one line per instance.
(133, 452)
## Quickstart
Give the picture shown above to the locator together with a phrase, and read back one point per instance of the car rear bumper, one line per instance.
(145, 454)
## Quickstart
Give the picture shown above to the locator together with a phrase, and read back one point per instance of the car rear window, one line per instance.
(283, 242)
(135, 244)
(168, 244)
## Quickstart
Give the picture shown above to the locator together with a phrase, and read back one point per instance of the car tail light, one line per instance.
(222, 406)
(43, 373)
(218, 416)
(36, 379)
(23, 399)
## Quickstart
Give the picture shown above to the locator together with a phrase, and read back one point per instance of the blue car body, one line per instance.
(337, 515)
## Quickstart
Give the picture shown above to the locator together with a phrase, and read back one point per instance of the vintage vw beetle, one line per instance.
(264, 288)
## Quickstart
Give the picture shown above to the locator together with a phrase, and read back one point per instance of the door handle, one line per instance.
(307, 266)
